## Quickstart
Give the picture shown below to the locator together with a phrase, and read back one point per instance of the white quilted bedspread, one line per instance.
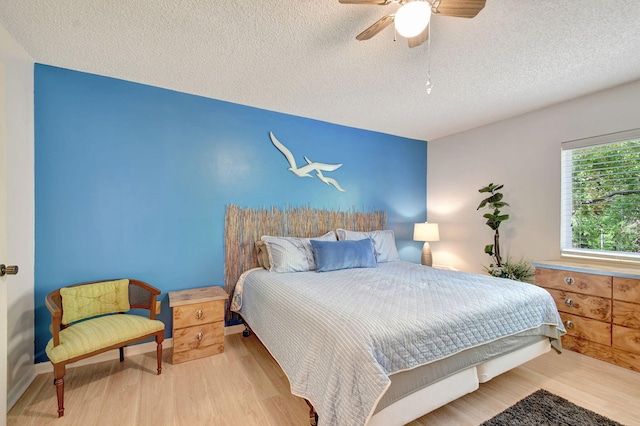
(338, 335)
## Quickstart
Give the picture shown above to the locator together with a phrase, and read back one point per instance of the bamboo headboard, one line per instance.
(243, 227)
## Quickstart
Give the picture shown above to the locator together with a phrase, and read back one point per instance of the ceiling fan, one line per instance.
(412, 18)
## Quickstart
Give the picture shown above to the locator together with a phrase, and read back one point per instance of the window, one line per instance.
(601, 197)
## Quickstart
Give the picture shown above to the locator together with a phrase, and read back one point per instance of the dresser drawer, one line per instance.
(626, 338)
(585, 328)
(581, 304)
(576, 282)
(626, 289)
(198, 336)
(626, 314)
(198, 313)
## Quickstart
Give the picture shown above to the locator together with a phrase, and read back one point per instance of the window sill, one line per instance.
(631, 259)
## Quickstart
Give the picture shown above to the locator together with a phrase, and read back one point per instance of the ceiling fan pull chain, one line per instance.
(429, 85)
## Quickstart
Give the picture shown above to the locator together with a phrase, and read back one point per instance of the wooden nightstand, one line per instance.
(198, 322)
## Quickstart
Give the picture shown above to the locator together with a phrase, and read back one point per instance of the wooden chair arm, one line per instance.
(143, 296)
(56, 315)
(53, 307)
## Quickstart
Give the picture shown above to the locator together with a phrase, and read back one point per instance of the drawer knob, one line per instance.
(568, 302)
(569, 281)
(199, 336)
(569, 324)
(199, 314)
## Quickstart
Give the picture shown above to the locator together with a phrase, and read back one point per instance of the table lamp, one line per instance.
(426, 232)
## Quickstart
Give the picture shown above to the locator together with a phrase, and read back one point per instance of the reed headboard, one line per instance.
(244, 226)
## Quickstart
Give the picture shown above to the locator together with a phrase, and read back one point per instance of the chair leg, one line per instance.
(121, 354)
(59, 372)
(159, 339)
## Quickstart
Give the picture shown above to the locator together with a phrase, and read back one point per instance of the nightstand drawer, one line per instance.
(585, 328)
(198, 313)
(581, 304)
(576, 282)
(198, 336)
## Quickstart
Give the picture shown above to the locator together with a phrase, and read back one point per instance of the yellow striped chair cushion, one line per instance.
(97, 333)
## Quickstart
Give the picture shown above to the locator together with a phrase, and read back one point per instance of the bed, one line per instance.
(387, 343)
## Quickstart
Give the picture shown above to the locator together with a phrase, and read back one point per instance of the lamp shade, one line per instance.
(426, 232)
(412, 18)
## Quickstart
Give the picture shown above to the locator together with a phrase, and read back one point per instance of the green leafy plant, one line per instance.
(519, 270)
(494, 219)
(516, 270)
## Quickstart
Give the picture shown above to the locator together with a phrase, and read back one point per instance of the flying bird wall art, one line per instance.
(309, 167)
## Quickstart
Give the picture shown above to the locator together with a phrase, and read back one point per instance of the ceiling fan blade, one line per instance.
(420, 38)
(379, 2)
(460, 8)
(378, 26)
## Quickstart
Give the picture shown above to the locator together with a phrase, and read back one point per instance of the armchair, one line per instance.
(89, 318)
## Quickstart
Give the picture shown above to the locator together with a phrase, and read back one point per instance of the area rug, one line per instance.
(543, 408)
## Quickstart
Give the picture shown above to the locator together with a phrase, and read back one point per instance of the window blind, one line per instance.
(601, 196)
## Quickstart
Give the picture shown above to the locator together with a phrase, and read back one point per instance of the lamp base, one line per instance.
(426, 259)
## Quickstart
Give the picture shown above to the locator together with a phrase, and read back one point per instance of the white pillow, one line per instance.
(384, 242)
(291, 254)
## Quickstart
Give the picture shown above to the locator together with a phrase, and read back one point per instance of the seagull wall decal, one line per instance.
(304, 170)
(328, 181)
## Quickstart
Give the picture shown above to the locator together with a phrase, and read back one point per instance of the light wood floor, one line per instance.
(244, 386)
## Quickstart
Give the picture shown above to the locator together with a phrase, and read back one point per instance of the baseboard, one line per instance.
(14, 394)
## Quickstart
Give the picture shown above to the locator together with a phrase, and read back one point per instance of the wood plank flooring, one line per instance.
(244, 386)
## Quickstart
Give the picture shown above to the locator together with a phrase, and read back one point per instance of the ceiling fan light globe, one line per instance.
(412, 18)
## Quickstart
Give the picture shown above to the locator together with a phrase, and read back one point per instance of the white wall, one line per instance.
(20, 214)
(523, 153)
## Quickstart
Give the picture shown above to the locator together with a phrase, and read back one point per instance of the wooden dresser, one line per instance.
(198, 322)
(600, 307)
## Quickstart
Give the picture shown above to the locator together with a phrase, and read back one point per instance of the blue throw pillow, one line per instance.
(333, 255)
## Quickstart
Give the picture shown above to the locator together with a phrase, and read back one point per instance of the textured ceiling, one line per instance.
(301, 57)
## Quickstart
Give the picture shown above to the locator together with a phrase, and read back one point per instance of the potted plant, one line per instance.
(515, 270)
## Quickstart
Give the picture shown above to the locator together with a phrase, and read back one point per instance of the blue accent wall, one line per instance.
(132, 181)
